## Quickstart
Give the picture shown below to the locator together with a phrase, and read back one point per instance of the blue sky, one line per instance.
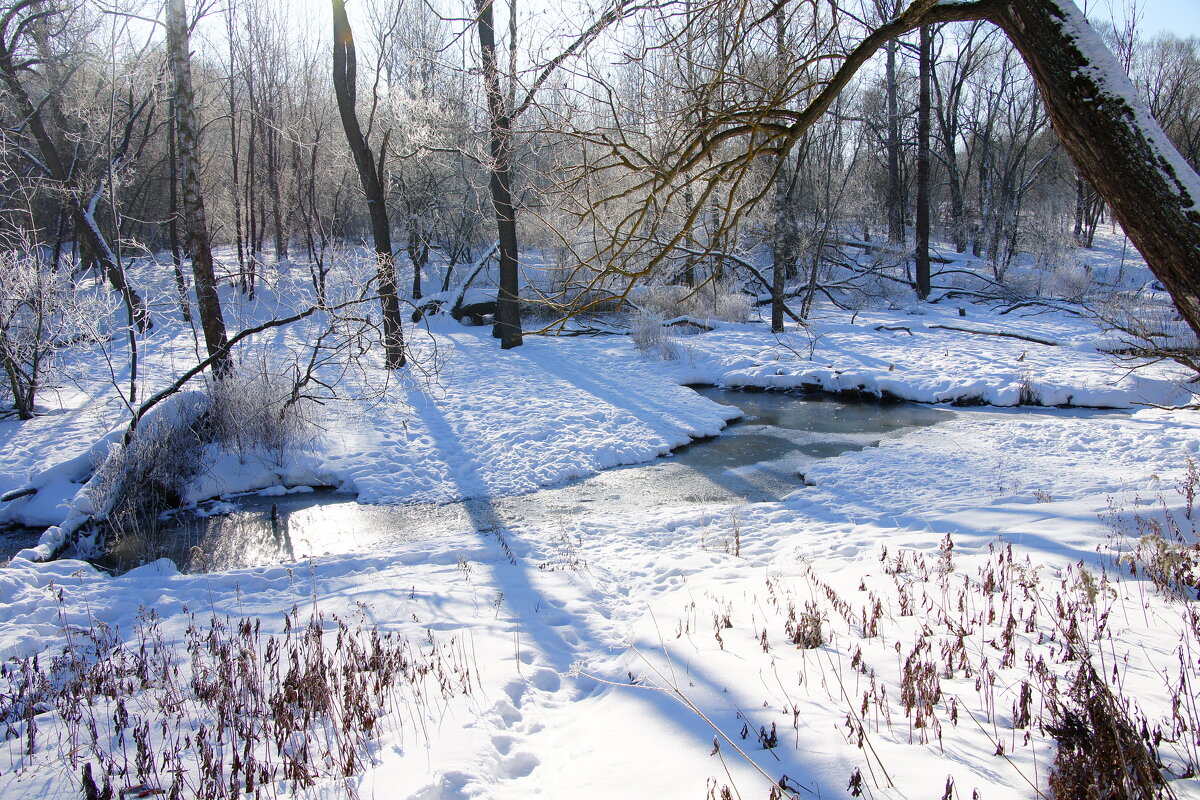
(1181, 17)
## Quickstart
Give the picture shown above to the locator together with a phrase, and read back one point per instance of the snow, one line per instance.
(599, 657)
(1104, 69)
(922, 358)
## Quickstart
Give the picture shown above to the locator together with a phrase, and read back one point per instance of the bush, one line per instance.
(652, 338)
(258, 412)
(249, 413)
(33, 299)
(1101, 754)
(148, 474)
(1165, 545)
(714, 300)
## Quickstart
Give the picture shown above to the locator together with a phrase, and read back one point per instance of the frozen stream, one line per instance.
(758, 458)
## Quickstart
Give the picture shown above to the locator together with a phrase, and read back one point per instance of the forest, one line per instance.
(643, 398)
(640, 149)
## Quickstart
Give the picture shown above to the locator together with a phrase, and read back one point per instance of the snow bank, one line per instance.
(935, 356)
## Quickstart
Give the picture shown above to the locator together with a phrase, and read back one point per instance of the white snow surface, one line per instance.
(601, 659)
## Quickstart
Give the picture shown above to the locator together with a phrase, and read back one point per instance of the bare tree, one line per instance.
(895, 188)
(500, 118)
(208, 304)
(922, 216)
(371, 176)
(1095, 110)
(950, 87)
(503, 112)
(25, 32)
(1167, 72)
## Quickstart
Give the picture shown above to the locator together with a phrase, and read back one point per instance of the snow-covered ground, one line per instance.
(658, 651)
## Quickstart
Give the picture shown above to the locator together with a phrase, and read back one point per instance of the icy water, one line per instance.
(13, 539)
(758, 458)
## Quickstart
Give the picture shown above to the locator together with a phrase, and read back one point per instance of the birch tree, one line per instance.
(208, 304)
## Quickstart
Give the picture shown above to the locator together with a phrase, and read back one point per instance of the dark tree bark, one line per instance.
(1115, 143)
(418, 253)
(783, 240)
(1117, 146)
(922, 221)
(92, 243)
(255, 219)
(508, 309)
(274, 144)
(895, 194)
(234, 145)
(371, 177)
(208, 304)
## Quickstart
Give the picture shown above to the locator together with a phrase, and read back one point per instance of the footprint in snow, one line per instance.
(547, 680)
(518, 765)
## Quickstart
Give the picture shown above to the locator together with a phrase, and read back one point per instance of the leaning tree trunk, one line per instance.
(371, 178)
(208, 304)
(1102, 124)
(1115, 143)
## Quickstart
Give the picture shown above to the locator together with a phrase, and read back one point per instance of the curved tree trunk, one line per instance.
(1097, 115)
(371, 177)
(1115, 143)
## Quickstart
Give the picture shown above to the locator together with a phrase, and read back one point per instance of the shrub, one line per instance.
(1101, 753)
(250, 413)
(1166, 549)
(652, 338)
(258, 412)
(804, 629)
(148, 474)
(714, 300)
(33, 299)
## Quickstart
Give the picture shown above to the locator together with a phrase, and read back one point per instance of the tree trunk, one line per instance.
(371, 178)
(418, 253)
(1079, 199)
(1115, 143)
(922, 233)
(508, 309)
(895, 201)
(254, 218)
(87, 233)
(185, 306)
(273, 181)
(783, 242)
(208, 304)
(234, 146)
